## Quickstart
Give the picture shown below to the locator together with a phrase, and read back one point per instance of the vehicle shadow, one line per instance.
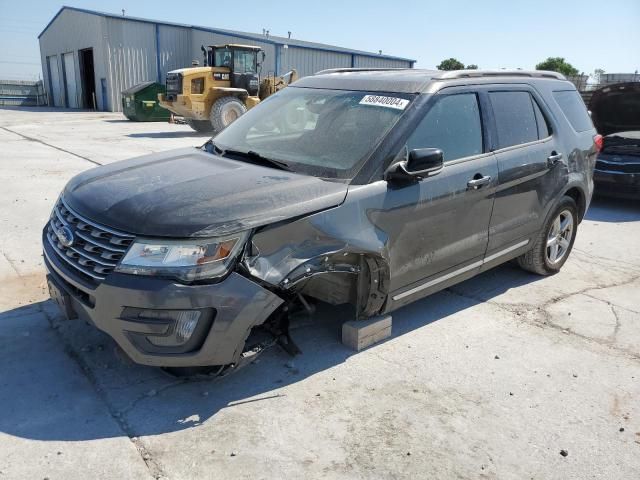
(48, 109)
(615, 210)
(178, 134)
(67, 366)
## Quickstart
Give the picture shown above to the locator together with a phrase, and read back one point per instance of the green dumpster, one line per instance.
(140, 103)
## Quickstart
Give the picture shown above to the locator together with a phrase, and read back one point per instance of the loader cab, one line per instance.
(242, 61)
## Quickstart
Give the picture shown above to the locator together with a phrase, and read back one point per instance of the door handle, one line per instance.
(478, 181)
(553, 158)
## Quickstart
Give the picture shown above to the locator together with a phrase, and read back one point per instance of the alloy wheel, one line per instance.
(559, 237)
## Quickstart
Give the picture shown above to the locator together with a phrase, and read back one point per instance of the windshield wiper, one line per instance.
(211, 147)
(259, 159)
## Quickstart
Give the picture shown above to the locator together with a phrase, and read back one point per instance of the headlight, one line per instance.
(186, 260)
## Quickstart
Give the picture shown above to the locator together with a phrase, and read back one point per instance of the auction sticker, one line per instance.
(389, 102)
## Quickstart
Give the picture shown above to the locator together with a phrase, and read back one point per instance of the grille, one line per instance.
(95, 250)
(620, 167)
(174, 84)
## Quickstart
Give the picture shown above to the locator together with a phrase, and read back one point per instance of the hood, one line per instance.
(616, 108)
(188, 192)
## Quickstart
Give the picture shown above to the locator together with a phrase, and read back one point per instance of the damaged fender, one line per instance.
(338, 256)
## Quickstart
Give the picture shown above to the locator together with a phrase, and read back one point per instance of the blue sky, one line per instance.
(490, 33)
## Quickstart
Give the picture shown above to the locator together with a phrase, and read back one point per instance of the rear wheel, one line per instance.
(202, 126)
(225, 111)
(554, 242)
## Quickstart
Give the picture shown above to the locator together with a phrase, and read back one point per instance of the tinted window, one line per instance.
(515, 118)
(452, 125)
(543, 125)
(573, 108)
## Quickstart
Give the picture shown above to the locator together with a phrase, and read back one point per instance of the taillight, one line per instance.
(598, 141)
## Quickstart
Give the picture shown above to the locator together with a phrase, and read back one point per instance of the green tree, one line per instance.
(450, 64)
(558, 64)
(473, 66)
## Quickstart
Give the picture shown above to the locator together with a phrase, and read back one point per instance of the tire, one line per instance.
(225, 111)
(201, 126)
(554, 242)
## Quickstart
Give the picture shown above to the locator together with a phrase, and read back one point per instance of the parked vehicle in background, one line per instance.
(615, 110)
(211, 97)
(397, 184)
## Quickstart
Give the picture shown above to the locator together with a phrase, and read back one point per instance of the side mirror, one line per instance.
(419, 163)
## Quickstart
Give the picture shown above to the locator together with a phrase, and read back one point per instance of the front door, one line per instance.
(438, 227)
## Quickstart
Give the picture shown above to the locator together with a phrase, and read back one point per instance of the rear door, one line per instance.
(531, 167)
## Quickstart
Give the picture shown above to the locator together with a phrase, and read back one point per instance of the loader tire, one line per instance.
(201, 126)
(225, 111)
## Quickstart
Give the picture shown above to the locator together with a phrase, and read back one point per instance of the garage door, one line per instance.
(71, 87)
(54, 81)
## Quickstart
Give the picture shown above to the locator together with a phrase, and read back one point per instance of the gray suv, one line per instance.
(372, 188)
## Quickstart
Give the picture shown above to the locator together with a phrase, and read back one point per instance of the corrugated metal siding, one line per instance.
(612, 78)
(360, 61)
(131, 54)
(127, 51)
(308, 62)
(21, 93)
(175, 49)
(200, 37)
(71, 32)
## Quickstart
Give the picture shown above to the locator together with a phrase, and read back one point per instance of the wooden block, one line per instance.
(359, 334)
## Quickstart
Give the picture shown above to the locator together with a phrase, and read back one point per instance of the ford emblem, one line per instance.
(65, 236)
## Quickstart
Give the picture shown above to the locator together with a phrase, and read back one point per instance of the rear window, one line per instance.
(515, 118)
(573, 108)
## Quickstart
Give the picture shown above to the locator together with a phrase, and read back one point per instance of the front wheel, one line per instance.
(554, 242)
(225, 111)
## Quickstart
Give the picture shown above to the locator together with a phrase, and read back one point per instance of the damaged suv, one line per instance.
(372, 188)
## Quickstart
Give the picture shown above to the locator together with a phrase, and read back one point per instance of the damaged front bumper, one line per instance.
(120, 307)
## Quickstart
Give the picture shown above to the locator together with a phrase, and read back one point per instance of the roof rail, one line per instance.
(364, 69)
(499, 73)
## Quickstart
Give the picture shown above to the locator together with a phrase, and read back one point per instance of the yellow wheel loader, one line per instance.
(211, 97)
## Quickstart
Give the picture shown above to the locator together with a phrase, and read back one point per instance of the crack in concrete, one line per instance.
(611, 303)
(154, 467)
(151, 393)
(15, 269)
(37, 140)
(607, 259)
(547, 317)
(616, 329)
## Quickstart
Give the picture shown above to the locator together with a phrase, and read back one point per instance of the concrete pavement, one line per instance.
(492, 378)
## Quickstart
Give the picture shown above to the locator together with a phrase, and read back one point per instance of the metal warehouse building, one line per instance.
(89, 57)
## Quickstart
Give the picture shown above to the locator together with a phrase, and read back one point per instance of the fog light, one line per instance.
(182, 325)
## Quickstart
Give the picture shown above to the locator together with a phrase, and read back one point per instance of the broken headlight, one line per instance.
(185, 260)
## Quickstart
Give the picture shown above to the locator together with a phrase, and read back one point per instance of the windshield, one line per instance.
(325, 133)
(244, 61)
(222, 57)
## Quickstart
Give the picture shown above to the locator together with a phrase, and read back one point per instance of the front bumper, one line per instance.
(236, 305)
(617, 184)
